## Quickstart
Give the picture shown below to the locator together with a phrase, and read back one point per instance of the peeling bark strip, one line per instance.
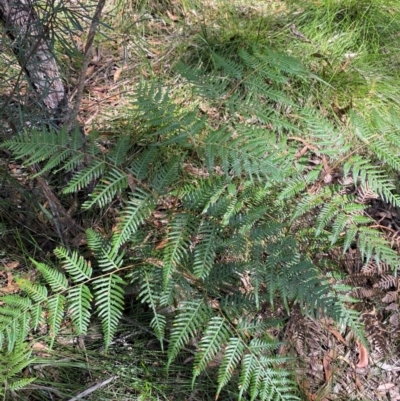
(34, 55)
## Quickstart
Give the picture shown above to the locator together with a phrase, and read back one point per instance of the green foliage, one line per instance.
(66, 293)
(214, 222)
(12, 363)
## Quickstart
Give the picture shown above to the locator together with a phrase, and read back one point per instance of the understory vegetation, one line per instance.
(231, 211)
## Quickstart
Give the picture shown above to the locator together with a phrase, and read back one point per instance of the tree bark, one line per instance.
(33, 51)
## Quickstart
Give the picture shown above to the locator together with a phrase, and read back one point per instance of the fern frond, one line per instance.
(371, 243)
(166, 176)
(181, 229)
(11, 364)
(56, 279)
(20, 384)
(204, 252)
(109, 296)
(37, 292)
(149, 293)
(113, 181)
(244, 154)
(380, 136)
(192, 315)
(118, 154)
(140, 168)
(232, 356)
(106, 257)
(83, 178)
(77, 267)
(79, 305)
(56, 306)
(138, 208)
(214, 336)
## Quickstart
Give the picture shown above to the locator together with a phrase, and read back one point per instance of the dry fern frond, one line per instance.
(391, 296)
(387, 281)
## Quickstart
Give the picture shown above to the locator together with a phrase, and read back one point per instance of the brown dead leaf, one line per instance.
(358, 383)
(363, 358)
(385, 387)
(117, 74)
(327, 364)
(39, 347)
(162, 244)
(89, 71)
(337, 335)
(172, 16)
(11, 287)
(11, 265)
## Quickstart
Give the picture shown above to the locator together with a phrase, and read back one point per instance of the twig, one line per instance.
(92, 389)
(82, 78)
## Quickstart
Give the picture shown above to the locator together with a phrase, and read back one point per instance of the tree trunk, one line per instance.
(30, 44)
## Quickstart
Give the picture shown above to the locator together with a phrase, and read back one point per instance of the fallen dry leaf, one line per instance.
(337, 335)
(172, 16)
(386, 386)
(363, 358)
(117, 74)
(327, 363)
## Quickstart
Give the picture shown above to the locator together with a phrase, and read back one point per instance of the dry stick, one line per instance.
(92, 389)
(82, 78)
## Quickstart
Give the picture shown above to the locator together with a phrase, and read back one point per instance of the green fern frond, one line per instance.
(215, 335)
(149, 293)
(106, 257)
(11, 364)
(191, 317)
(83, 178)
(372, 244)
(119, 152)
(79, 307)
(204, 252)
(113, 182)
(16, 301)
(77, 267)
(36, 315)
(139, 207)
(232, 356)
(380, 135)
(56, 306)
(166, 176)
(109, 297)
(37, 292)
(180, 231)
(244, 154)
(140, 168)
(373, 177)
(20, 384)
(57, 280)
